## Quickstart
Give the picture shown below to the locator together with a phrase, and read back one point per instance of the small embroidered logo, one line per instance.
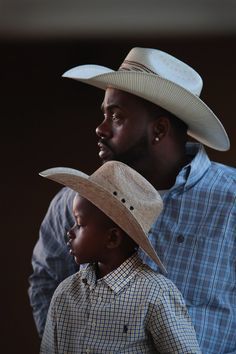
(125, 329)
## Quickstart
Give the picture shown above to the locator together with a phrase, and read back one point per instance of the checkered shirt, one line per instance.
(130, 310)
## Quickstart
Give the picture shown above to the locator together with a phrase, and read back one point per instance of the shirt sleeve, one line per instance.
(51, 261)
(170, 325)
(49, 344)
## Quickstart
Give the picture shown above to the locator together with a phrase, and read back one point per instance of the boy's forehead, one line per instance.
(80, 202)
(75, 200)
(83, 206)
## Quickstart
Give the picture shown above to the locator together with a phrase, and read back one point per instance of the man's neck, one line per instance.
(162, 174)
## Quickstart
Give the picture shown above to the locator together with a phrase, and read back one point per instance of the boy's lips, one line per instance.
(69, 247)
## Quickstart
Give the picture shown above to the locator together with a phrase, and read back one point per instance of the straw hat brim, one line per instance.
(203, 125)
(107, 203)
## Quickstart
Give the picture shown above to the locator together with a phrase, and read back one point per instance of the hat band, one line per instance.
(135, 66)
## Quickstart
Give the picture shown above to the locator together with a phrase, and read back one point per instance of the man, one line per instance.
(151, 103)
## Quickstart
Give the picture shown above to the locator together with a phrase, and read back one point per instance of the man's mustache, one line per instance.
(103, 142)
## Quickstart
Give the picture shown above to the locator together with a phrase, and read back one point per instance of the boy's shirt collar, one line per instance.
(115, 280)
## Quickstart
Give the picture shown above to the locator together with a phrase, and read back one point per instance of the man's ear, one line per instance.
(115, 236)
(161, 127)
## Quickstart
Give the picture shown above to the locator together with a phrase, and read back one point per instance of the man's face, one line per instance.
(87, 238)
(124, 132)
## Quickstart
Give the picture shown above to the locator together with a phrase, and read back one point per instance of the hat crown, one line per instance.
(132, 190)
(164, 65)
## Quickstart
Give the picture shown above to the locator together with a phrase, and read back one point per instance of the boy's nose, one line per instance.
(71, 234)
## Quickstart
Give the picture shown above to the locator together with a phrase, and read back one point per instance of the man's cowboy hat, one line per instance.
(122, 194)
(167, 82)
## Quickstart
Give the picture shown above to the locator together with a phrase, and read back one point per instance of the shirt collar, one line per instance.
(121, 276)
(88, 275)
(195, 169)
(117, 279)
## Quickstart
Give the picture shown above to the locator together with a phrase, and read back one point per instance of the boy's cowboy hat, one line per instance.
(167, 82)
(122, 194)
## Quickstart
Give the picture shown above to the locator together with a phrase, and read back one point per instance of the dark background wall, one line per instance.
(48, 121)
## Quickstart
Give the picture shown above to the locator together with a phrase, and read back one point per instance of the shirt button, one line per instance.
(87, 351)
(180, 239)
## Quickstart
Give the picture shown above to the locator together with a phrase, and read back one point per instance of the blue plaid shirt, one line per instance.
(130, 310)
(195, 236)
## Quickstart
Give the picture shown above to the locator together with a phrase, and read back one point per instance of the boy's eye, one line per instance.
(76, 226)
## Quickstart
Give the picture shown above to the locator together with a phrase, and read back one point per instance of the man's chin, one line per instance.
(129, 159)
(106, 157)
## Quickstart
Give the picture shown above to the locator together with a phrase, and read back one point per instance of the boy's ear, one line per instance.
(115, 236)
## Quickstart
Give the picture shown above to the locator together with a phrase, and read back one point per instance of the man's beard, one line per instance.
(134, 155)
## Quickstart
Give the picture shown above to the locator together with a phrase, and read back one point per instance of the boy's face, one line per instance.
(88, 237)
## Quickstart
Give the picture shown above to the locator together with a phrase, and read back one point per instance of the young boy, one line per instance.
(115, 304)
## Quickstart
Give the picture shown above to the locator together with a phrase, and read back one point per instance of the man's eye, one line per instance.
(115, 117)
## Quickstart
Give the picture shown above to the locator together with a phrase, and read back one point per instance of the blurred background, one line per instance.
(48, 121)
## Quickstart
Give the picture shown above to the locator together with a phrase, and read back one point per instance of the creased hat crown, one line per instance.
(130, 188)
(164, 65)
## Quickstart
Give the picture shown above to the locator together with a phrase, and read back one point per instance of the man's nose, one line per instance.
(104, 129)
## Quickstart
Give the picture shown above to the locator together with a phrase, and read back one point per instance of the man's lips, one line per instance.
(105, 150)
